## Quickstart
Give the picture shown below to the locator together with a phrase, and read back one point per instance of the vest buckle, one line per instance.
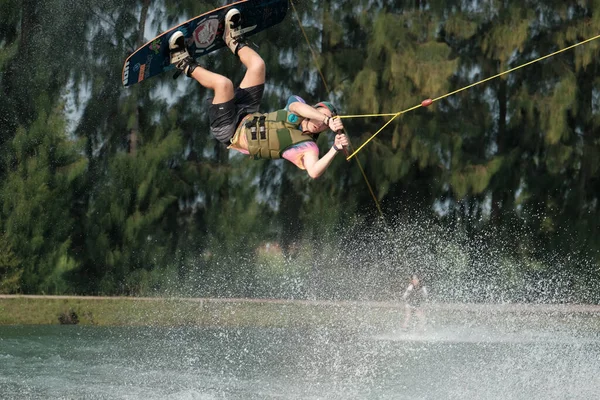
(261, 127)
(252, 126)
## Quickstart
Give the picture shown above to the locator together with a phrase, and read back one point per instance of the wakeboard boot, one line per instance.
(233, 34)
(180, 56)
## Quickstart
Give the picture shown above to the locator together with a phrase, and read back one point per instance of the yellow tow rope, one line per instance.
(424, 103)
(427, 102)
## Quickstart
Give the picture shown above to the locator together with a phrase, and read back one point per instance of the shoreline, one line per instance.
(226, 312)
(507, 307)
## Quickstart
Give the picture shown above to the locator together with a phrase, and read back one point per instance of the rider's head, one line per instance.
(327, 105)
(415, 279)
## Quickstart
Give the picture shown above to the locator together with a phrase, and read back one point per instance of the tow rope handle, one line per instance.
(343, 132)
(345, 148)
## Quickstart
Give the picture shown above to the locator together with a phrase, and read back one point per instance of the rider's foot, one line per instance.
(233, 35)
(179, 54)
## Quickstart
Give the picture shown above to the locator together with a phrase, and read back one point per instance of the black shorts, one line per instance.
(225, 117)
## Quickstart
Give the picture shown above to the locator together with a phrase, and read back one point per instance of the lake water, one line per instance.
(75, 362)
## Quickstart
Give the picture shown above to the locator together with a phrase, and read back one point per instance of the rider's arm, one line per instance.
(315, 166)
(407, 292)
(306, 111)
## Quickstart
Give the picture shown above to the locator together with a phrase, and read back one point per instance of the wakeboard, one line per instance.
(203, 34)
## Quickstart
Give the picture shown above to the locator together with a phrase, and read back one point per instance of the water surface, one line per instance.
(73, 362)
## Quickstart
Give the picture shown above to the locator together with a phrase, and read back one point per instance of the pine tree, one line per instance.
(45, 169)
(10, 268)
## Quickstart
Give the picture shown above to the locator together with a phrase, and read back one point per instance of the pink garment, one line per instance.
(296, 154)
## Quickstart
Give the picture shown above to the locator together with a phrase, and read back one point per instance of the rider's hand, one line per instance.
(340, 141)
(335, 124)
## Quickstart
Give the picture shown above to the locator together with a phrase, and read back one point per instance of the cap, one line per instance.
(328, 105)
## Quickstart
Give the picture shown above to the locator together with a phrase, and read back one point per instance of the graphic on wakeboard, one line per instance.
(203, 34)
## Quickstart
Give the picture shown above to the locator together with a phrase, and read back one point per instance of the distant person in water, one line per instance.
(414, 297)
(289, 133)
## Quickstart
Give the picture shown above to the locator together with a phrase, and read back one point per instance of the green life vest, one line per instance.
(269, 135)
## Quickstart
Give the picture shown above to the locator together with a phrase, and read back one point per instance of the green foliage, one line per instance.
(10, 268)
(554, 115)
(135, 198)
(509, 35)
(474, 179)
(460, 25)
(139, 199)
(44, 168)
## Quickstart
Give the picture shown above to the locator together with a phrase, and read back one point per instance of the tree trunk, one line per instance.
(28, 23)
(133, 133)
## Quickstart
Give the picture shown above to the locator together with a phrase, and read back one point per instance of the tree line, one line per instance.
(491, 193)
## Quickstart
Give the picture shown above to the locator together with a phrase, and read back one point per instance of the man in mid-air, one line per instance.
(289, 133)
